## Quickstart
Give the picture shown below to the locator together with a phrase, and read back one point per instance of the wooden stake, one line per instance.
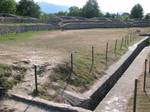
(92, 55)
(35, 73)
(121, 43)
(106, 53)
(71, 62)
(135, 95)
(144, 83)
(115, 49)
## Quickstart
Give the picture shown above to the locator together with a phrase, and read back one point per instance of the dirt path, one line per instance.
(117, 99)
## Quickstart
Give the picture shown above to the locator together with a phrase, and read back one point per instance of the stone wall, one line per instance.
(89, 25)
(23, 28)
(105, 24)
(19, 20)
(7, 23)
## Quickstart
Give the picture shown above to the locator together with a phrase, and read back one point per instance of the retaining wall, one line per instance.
(93, 25)
(88, 25)
(23, 28)
(19, 20)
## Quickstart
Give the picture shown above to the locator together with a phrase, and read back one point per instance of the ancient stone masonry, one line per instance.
(23, 28)
(14, 23)
(109, 23)
(19, 20)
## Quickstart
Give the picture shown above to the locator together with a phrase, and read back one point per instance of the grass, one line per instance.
(10, 76)
(84, 69)
(19, 36)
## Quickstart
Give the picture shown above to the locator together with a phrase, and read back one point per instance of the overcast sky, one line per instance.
(105, 5)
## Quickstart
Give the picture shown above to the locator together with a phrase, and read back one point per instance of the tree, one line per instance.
(147, 16)
(91, 9)
(8, 6)
(47, 16)
(137, 12)
(74, 11)
(28, 8)
(125, 16)
(109, 15)
(61, 13)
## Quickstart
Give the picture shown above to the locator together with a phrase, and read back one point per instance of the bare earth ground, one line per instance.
(52, 48)
(55, 45)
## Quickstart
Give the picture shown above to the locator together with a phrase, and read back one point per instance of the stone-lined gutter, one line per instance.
(45, 104)
(90, 99)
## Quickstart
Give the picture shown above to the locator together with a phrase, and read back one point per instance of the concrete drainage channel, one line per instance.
(89, 100)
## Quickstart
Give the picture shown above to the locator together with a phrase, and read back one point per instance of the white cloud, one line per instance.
(105, 5)
(122, 5)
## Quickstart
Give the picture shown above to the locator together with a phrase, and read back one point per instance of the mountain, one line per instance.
(52, 8)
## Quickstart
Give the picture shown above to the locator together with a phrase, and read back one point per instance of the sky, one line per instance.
(112, 6)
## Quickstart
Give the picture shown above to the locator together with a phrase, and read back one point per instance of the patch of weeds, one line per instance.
(61, 72)
(10, 75)
(35, 93)
(18, 78)
(47, 91)
(79, 77)
(5, 83)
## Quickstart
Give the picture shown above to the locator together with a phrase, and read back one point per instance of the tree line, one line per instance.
(89, 10)
(22, 8)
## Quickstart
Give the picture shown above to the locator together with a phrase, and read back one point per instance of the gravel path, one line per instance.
(117, 99)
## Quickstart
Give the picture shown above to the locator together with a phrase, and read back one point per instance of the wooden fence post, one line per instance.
(135, 95)
(149, 65)
(125, 42)
(106, 57)
(71, 63)
(130, 38)
(92, 55)
(145, 70)
(35, 73)
(121, 43)
(115, 49)
(134, 37)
